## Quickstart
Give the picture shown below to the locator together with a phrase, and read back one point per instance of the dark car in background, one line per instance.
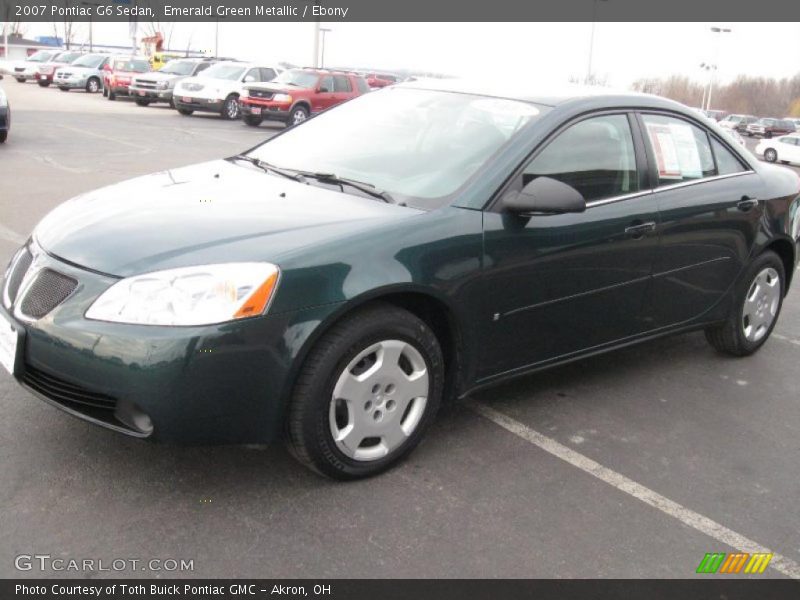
(297, 94)
(5, 115)
(770, 127)
(380, 80)
(337, 282)
(158, 86)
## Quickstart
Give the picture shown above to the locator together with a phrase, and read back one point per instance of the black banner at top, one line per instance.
(401, 10)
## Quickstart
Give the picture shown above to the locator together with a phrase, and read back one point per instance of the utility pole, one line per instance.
(315, 62)
(591, 40)
(719, 30)
(323, 30)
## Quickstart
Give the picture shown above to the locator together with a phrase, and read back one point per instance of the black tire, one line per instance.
(768, 136)
(21, 80)
(252, 121)
(309, 436)
(185, 111)
(44, 83)
(111, 95)
(770, 155)
(297, 116)
(64, 89)
(142, 102)
(93, 85)
(729, 337)
(3, 137)
(105, 92)
(230, 108)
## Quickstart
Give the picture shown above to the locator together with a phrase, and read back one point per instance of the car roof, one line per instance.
(543, 94)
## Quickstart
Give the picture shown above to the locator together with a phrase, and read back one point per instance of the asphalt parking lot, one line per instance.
(631, 464)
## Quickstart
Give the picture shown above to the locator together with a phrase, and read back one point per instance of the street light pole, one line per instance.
(91, 31)
(719, 30)
(316, 39)
(591, 40)
(323, 30)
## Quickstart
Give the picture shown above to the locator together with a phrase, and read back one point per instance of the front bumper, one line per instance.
(224, 383)
(71, 83)
(150, 94)
(188, 102)
(119, 90)
(266, 110)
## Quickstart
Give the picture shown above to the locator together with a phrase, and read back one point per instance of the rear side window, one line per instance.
(595, 156)
(202, 67)
(341, 84)
(681, 151)
(326, 83)
(727, 163)
(267, 74)
(362, 85)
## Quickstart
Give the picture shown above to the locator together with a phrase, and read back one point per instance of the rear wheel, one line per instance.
(44, 83)
(3, 137)
(111, 95)
(757, 304)
(21, 79)
(230, 108)
(770, 155)
(366, 394)
(142, 102)
(64, 89)
(252, 121)
(185, 111)
(93, 85)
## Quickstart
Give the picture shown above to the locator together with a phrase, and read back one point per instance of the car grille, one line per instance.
(261, 94)
(145, 84)
(63, 75)
(47, 291)
(19, 69)
(17, 273)
(69, 394)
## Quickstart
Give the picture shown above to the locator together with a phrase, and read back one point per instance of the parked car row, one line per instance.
(754, 127)
(233, 89)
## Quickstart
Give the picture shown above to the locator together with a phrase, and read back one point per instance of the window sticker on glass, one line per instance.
(675, 149)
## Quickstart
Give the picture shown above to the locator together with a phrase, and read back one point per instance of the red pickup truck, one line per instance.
(297, 94)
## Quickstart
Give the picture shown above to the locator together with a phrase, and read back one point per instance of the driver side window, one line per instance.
(595, 156)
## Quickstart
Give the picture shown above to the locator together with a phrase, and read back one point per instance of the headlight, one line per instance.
(162, 85)
(282, 98)
(201, 295)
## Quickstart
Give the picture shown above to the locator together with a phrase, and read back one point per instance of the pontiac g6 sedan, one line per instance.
(335, 284)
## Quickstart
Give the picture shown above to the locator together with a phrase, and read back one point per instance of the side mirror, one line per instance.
(545, 195)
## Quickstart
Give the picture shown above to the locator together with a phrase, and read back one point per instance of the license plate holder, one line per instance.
(256, 110)
(187, 99)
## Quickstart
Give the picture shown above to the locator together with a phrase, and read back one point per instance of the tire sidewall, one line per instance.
(325, 454)
(767, 259)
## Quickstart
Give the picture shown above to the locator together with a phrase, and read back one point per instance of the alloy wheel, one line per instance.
(761, 304)
(379, 400)
(298, 117)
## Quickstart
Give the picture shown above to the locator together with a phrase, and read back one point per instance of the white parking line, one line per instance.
(10, 235)
(686, 516)
(778, 336)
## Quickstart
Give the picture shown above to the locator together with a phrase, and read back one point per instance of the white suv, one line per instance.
(218, 88)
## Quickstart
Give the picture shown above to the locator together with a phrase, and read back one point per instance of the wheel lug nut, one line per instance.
(377, 415)
(390, 405)
(368, 405)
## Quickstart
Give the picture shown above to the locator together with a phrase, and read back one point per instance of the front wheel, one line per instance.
(298, 115)
(111, 95)
(230, 108)
(3, 137)
(21, 79)
(142, 102)
(366, 394)
(770, 155)
(44, 83)
(757, 304)
(185, 111)
(93, 85)
(64, 89)
(252, 121)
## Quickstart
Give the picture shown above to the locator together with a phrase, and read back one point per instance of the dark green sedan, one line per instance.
(337, 283)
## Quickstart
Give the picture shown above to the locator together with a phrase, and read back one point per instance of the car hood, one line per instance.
(276, 87)
(73, 69)
(129, 73)
(208, 213)
(157, 76)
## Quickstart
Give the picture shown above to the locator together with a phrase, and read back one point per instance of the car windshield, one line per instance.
(67, 57)
(133, 65)
(91, 60)
(40, 56)
(223, 71)
(298, 78)
(178, 67)
(420, 146)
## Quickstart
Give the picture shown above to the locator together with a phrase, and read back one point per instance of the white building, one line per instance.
(19, 48)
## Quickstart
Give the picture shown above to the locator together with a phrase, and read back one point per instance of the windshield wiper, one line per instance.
(265, 166)
(367, 188)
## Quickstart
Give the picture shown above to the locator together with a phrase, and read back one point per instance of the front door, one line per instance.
(557, 285)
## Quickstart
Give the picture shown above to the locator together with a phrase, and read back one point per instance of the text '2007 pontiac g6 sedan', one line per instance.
(338, 282)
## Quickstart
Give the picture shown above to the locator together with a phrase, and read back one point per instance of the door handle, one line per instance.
(637, 231)
(747, 203)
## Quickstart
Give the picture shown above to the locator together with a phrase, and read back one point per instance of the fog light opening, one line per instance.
(133, 417)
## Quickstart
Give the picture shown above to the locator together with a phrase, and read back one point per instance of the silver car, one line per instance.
(85, 73)
(157, 86)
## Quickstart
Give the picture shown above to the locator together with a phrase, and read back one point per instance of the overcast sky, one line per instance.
(623, 52)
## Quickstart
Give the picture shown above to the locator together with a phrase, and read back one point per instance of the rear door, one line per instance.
(559, 284)
(707, 199)
(325, 97)
(342, 88)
